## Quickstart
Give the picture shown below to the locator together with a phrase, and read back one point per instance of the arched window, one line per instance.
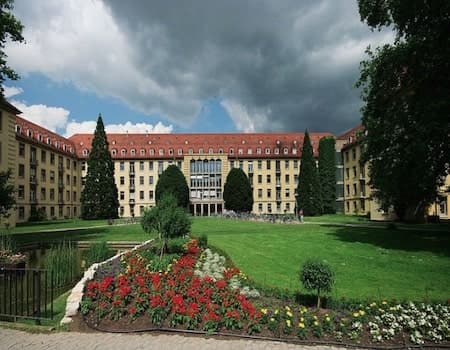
(123, 151)
(267, 150)
(133, 152)
(142, 152)
(30, 133)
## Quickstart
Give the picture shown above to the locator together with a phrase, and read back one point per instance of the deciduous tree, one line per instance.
(406, 89)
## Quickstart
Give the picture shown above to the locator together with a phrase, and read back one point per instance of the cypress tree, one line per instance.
(237, 192)
(99, 198)
(327, 173)
(309, 194)
(173, 181)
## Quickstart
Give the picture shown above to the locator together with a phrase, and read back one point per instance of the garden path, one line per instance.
(13, 339)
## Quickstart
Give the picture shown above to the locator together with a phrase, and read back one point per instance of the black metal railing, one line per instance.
(26, 293)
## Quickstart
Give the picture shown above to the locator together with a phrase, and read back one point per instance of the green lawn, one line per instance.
(338, 218)
(369, 262)
(56, 224)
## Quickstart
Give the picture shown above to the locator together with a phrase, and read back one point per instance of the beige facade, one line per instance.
(48, 174)
(8, 149)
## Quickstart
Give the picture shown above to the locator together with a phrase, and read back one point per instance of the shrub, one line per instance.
(317, 276)
(177, 245)
(97, 252)
(167, 219)
(203, 241)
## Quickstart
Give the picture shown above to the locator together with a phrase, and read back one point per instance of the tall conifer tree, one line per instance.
(327, 173)
(99, 199)
(308, 190)
(173, 181)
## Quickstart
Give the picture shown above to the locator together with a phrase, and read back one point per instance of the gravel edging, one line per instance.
(74, 299)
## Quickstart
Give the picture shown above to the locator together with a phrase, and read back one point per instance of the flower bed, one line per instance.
(197, 292)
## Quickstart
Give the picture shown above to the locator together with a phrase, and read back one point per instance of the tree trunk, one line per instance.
(318, 299)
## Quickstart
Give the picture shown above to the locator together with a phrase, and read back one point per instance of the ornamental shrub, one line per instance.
(203, 241)
(317, 276)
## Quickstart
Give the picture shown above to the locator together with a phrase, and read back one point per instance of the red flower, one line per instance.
(132, 310)
(157, 301)
(221, 284)
(106, 283)
(140, 281)
(124, 291)
(192, 310)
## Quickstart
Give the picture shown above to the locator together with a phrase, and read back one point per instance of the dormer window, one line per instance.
(18, 129)
(277, 151)
(85, 152)
(285, 150)
(294, 151)
(30, 133)
(220, 151)
(267, 150)
(191, 151)
(180, 151)
(40, 138)
(249, 151)
(49, 141)
(210, 151)
(170, 152)
(142, 152)
(240, 151)
(200, 151)
(258, 150)
(231, 151)
(161, 152)
(152, 152)
(133, 152)
(123, 151)
(65, 148)
(114, 152)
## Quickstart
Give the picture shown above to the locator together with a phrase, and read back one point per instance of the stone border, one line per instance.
(74, 299)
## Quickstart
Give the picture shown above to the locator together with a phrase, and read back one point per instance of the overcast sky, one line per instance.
(164, 66)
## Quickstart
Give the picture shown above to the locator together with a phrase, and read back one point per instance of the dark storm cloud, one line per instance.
(291, 64)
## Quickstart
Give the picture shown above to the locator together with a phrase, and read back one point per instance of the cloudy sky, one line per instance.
(190, 66)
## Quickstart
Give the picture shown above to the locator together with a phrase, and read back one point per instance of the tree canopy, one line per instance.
(237, 192)
(99, 198)
(10, 29)
(309, 197)
(327, 173)
(173, 181)
(406, 89)
(7, 199)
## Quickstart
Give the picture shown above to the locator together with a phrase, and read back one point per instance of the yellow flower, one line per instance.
(316, 323)
(373, 304)
(264, 311)
(289, 314)
(287, 308)
(362, 312)
(384, 302)
(301, 325)
(392, 308)
(276, 312)
(381, 310)
(356, 314)
(288, 323)
(302, 319)
(272, 319)
(315, 317)
(327, 319)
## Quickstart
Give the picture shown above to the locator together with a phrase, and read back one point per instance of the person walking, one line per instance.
(300, 214)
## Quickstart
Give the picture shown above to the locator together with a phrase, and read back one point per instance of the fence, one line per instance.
(26, 293)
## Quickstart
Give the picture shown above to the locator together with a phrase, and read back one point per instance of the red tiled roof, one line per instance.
(351, 136)
(271, 145)
(39, 135)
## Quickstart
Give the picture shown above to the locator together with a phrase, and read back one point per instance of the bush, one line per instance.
(177, 245)
(318, 276)
(37, 215)
(203, 241)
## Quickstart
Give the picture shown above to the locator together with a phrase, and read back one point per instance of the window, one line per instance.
(259, 164)
(74, 196)
(346, 156)
(250, 166)
(180, 151)
(122, 211)
(52, 158)
(287, 194)
(259, 193)
(122, 180)
(150, 180)
(355, 190)
(142, 153)
(141, 165)
(296, 180)
(286, 178)
(21, 149)
(347, 173)
(21, 213)
(269, 193)
(269, 207)
(268, 178)
(74, 180)
(268, 164)
(260, 207)
(83, 166)
(150, 195)
(43, 156)
(52, 176)
(231, 164)
(67, 163)
(122, 195)
(123, 151)
(43, 175)
(150, 165)
(240, 151)
(43, 194)
(141, 180)
(52, 211)
(277, 151)
(210, 151)
(241, 165)
(113, 152)
(152, 152)
(258, 150)
(286, 164)
(141, 194)
(21, 170)
(68, 179)
(354, 171)
(68, 195)
(295, 164)
(260, 179)
(267, 150)
(278, 206)
(354, 153)
(21, 192)
(122, 166)
(348, 190)
(161, 152)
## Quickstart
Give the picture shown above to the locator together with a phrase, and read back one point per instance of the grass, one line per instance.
(368, 262)
(338, 218)
(55, 225)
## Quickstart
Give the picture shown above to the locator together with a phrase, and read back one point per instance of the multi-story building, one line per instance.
(47, 174)
(48, 169)
(270, 160)
(8, 146)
